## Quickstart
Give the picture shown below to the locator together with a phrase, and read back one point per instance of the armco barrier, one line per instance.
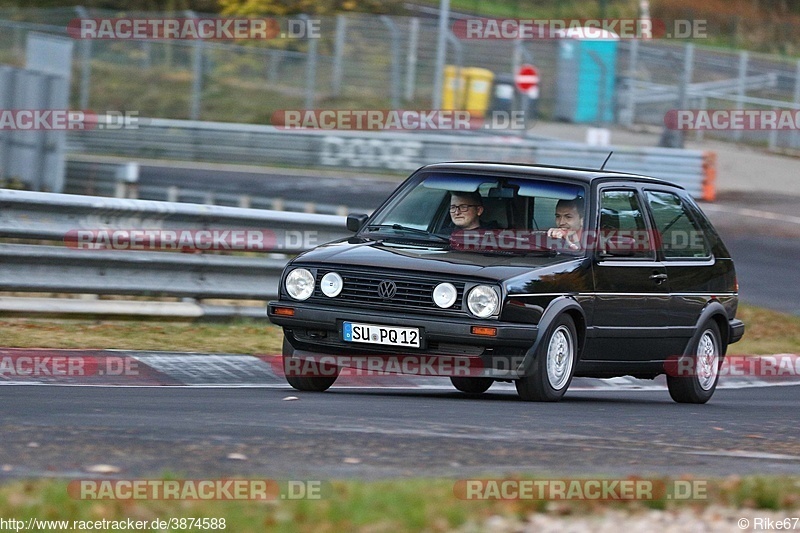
(385, 151)
(35, 215)
(55, 268)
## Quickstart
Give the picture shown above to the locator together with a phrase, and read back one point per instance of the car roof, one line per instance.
(585, 175)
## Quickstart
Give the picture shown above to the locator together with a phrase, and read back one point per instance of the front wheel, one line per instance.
(295, 373)
(471, 385)
(554, 363)
(699, 386)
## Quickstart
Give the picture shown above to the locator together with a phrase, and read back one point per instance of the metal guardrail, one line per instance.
(33, 268)
(34, 215)
(648, 92)
(100, 176)
(386, 151)
(65, 269)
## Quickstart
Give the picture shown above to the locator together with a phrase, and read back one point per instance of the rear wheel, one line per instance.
(471, 385)
(554, 363)
(699, 386)
(310, 383)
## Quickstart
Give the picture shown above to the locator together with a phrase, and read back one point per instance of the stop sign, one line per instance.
(527, 80)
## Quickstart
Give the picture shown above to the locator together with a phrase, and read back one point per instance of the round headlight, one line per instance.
(331, 284)
(482, 301)
(444, 295)
(300, 284)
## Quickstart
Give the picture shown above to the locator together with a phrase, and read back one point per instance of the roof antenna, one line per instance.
(606, 161)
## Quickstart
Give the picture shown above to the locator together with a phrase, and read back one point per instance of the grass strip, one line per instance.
(767, 332)
(376, 506)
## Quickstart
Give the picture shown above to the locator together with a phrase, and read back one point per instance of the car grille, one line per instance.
(362, 288)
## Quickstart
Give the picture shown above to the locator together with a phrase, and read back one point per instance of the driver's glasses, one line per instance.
(461, 208)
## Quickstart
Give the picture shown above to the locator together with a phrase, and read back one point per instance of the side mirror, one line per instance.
(356, 222)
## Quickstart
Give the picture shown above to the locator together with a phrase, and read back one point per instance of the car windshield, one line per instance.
(479, 212)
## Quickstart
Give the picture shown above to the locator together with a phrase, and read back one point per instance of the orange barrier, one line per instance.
(709, 176)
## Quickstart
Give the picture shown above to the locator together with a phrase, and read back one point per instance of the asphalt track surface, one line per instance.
(386, 433)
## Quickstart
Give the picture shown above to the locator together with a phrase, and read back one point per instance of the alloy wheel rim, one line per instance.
(559, 357)
(707, 360)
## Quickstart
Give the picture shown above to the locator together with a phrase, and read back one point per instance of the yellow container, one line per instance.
(479, 90)
(453, 87)
(467, 88)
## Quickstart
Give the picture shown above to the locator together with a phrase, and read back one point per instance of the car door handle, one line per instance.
(659, 278)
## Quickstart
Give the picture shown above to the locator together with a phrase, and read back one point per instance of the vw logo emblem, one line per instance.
(387, 290)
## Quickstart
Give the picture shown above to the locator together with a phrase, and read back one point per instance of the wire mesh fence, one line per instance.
(363, 61)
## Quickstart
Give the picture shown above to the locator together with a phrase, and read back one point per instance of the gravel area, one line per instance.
(713, 519)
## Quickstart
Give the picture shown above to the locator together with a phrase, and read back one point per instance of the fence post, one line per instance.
(172, 194)
(197, 74)
(773, 134)
(699, 133)
(740, 89)
(275, 57)
(19, 41)
(311, 70)
(86, 63)
(411, 58)
(395, 68)
(146, 46)
(629, 117)
(338, 54)
(441, 53)
(675, 138)
(459, 50)
(796, 100)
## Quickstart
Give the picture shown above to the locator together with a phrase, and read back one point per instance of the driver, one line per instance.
(466, 209)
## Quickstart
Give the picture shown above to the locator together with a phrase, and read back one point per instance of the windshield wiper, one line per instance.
(409, 229)
(511, 253)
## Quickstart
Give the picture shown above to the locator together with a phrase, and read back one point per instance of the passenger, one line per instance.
(569, 222)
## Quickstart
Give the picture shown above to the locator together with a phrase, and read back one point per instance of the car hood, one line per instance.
(430, 259)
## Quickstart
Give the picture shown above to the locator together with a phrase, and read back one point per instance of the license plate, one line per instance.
(374, 334)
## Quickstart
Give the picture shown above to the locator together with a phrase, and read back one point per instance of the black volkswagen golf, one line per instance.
(531, 274)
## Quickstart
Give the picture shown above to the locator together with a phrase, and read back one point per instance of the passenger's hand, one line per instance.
(571, 237)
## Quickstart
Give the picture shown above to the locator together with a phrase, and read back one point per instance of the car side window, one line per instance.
(544, 212)
(623, 231)
(680, 237)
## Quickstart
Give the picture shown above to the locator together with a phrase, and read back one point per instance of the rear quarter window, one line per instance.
(680, 236)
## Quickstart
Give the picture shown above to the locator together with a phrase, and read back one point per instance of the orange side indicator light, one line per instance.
(284, 311)
(485, 331)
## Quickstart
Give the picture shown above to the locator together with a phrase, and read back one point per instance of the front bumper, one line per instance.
(318, 329)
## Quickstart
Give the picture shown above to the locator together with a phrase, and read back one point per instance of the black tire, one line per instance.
(701, 384)
(306, 383)
(471, 385)
(540, 386)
